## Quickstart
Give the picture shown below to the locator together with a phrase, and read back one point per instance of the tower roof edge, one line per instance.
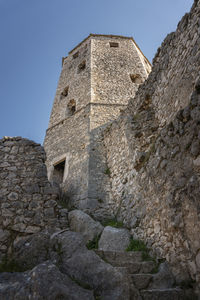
(109, 36)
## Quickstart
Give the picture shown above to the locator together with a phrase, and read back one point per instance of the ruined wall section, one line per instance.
(28, 202)
(157, 193)
(175, 68)
(74, 81)
(154, 175)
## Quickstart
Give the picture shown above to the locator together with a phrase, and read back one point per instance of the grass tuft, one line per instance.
(107, 171)
(113, 223)
(82, 284)
(94, 243)
(137, 245)
(10, 265)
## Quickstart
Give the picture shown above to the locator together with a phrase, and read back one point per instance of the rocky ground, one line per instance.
(86, 260)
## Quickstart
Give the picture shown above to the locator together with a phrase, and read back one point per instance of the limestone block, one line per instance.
(163, 279)
(46, 281)
(114, 239)
(197, 161)
(83, 223)
(13, 196)
(4, 234)
(87, 267)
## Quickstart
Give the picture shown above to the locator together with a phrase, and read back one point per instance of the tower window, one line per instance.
(71, 107)
(114, 45)
(64, 92)
(82, 66)
(58, 172)
(136, 78)
(76, 55)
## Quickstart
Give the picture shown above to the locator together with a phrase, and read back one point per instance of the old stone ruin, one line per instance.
(109, 208)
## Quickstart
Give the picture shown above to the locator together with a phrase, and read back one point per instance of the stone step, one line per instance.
(166, 294)
(141, 281)
(135, 268)
(131, 256)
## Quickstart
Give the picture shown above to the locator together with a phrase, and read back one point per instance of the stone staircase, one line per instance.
(144, 283)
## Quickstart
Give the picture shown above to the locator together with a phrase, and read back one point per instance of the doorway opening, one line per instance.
(58, 172)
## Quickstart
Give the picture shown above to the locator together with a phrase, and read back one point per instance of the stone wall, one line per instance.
(154, 172)
(175, 68)
(28, 202)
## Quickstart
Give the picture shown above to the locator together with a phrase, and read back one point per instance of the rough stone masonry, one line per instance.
(118, 139)
(145, 168)
(28, 200)
(98, 78)
(153, 153)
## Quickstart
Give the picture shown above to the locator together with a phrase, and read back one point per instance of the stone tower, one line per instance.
(98, 78)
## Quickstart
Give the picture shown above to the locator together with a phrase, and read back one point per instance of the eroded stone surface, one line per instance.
(115, 239)
(154, 173)
(84, 265)
(83, 223)
(45, 281)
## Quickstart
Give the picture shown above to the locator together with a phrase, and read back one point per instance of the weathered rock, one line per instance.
(4, 234)
(87, 267)
(83, 223)
(167, 294)
(43, 282)
(31, 251)
(115, 239)
(163, 279)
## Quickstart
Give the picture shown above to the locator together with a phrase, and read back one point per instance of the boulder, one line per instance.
(83, 223)
(32, 250)
(45, 281)
(114, 239)
(75, 260)
(162, 279)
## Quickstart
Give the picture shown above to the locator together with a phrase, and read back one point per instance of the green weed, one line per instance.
(113, 223)
(10, 265)
(94, 243)
(107, 171)
(137, 245)
(81, 283)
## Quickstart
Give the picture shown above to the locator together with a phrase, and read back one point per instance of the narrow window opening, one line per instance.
(71, 107)
(136, 78)
(64, 92)
(58, 172)
(82, 66)
(114, 44)
(76, 55)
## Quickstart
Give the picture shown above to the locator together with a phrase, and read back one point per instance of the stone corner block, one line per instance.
(114, 239)
(84, 224)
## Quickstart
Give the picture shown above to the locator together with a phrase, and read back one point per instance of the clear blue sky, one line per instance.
(35, 34)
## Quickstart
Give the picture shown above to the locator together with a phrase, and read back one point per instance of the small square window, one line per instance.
(64, 92)
(136, 78)
(71, 108)
(76, 54)
(82, 66)
(114, 45)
